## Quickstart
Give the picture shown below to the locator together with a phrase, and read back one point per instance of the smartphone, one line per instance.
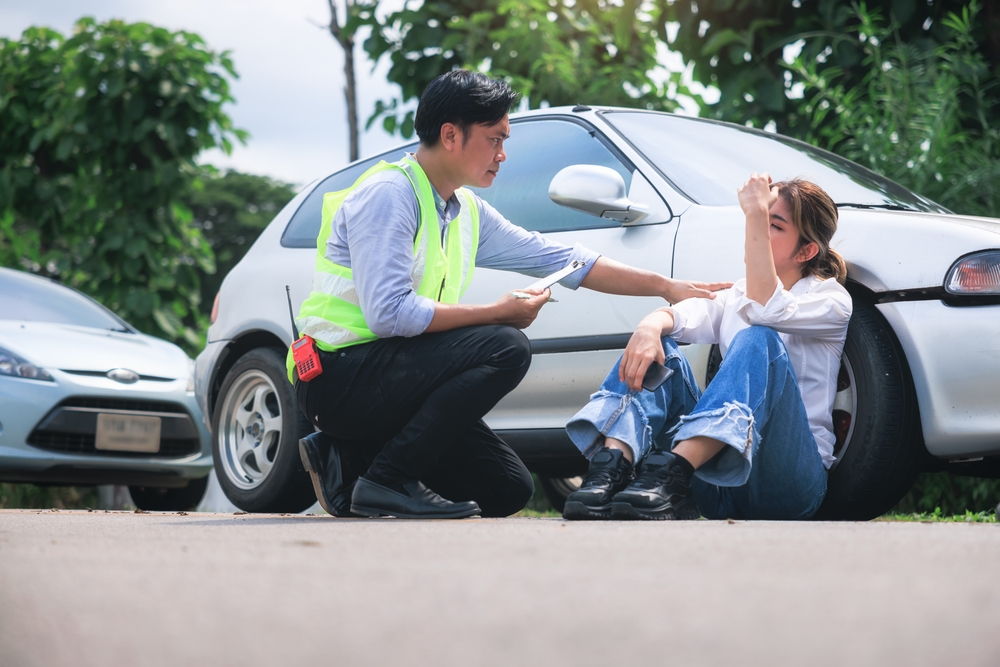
(655, 375)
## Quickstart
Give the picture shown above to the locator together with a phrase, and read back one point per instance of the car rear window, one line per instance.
(303, 228)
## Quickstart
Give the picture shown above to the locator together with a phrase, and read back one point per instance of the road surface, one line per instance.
(84, 588)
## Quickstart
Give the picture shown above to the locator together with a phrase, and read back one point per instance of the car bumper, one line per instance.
(954, 357)
(26, 405)
(205, 367)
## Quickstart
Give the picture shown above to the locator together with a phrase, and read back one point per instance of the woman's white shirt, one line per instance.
(811, 318)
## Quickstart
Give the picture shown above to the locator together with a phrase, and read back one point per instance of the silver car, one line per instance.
(86, 399)
(919, 377)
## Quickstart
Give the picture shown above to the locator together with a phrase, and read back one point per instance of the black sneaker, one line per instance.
(609, 473)
(332, 480)
(662, 490)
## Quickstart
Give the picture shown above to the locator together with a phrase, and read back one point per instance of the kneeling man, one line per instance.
(408, 372)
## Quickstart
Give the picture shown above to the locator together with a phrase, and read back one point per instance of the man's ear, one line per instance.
(451, 136)
(807, 252)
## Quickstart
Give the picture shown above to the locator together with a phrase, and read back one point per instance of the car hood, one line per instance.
(73, 348)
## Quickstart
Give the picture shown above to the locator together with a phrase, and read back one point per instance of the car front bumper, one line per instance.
(26, 404)
(954, 357)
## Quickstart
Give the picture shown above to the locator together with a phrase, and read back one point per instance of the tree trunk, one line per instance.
(346, 41)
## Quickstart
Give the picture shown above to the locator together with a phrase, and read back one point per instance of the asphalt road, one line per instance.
(80, 589)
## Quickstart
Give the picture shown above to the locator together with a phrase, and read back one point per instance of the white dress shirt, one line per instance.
(811, 319)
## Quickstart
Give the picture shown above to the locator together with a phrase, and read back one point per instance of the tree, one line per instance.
(343, 32)
(738, 46)
(920, 115)
(231, 209)
(555, 52)
(98, 135)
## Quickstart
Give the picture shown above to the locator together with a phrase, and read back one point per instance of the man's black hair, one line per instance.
(462, 98)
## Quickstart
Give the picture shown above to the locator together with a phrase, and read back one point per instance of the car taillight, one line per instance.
(215, 309)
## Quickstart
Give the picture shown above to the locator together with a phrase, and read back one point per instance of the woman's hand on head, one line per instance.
(757, 194)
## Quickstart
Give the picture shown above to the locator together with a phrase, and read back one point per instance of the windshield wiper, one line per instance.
(887, 207)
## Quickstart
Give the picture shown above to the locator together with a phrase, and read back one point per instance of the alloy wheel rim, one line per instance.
(250, 430)
(845, 406)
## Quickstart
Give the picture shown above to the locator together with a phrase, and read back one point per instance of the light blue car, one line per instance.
(86, 399)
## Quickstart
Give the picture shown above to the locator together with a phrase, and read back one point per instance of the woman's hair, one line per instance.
(815, 216)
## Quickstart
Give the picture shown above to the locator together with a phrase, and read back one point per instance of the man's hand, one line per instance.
(678, 290)
(520, 313)
(644, 347)
(613, 277)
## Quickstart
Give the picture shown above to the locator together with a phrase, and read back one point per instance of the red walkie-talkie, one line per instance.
(304, 353)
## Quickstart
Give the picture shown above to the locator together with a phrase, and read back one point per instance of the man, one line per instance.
(408, 372)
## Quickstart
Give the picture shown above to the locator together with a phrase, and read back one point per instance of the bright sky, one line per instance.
(290, 92)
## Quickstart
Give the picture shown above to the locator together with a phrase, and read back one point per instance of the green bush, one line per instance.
(919, 116)
(30, 496)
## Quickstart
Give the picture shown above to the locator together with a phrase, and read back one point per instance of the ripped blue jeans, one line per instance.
(770, 468)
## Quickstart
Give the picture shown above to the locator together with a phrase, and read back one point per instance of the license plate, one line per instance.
(125, 433)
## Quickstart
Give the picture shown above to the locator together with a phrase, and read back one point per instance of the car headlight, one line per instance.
(190, 386)
(14, 366)
(975, 274)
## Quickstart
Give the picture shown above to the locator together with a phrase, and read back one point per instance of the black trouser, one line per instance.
(413, 408)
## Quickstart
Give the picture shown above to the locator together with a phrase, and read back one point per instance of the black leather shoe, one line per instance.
(609, 473)
(332, 482)
(661, 491)
(419, 502)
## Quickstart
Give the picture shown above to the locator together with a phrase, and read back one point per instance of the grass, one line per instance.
(939, 517)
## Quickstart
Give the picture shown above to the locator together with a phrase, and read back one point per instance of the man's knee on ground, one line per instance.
(510, 498)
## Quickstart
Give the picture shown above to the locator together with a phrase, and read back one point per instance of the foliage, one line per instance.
(30, 496)
(950, 494)
(98, 133)
(555, 52)
(937, 516)
(231, 209)
(738, 46)
(919, 116)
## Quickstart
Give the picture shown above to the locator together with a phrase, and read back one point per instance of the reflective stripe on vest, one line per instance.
(332, 314)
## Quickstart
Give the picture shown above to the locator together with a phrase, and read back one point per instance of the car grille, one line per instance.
(72, 431)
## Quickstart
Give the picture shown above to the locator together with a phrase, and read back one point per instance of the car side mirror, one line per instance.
(596, 190)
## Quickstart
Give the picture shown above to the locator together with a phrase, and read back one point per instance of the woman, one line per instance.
(758, 443)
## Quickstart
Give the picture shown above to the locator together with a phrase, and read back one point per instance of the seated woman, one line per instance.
(758, 442)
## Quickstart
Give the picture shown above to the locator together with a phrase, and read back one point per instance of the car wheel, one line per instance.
(879, 447)
(256, 427)
(557, 489)
(157, 499)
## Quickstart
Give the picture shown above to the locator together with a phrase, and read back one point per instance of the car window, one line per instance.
(28, 298)
(303, 228)
(536, 151)
(707, 161)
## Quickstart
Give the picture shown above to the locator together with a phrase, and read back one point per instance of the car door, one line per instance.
(577, 339)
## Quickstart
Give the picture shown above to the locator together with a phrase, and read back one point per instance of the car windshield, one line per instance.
(30, 299)
(707, 161)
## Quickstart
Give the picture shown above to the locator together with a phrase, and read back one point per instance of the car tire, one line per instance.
(256, 428)
(158, 499)
(557, 489)
(882, 450)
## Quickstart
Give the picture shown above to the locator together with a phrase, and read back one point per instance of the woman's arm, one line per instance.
(644, 347)
(756, 198)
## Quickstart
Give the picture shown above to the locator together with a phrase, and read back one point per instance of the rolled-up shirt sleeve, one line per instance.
(699, 320)
(823, 312)
(381, 223)
(504, 245)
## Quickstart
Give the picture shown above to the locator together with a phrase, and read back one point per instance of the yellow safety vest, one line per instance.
(332, 314)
